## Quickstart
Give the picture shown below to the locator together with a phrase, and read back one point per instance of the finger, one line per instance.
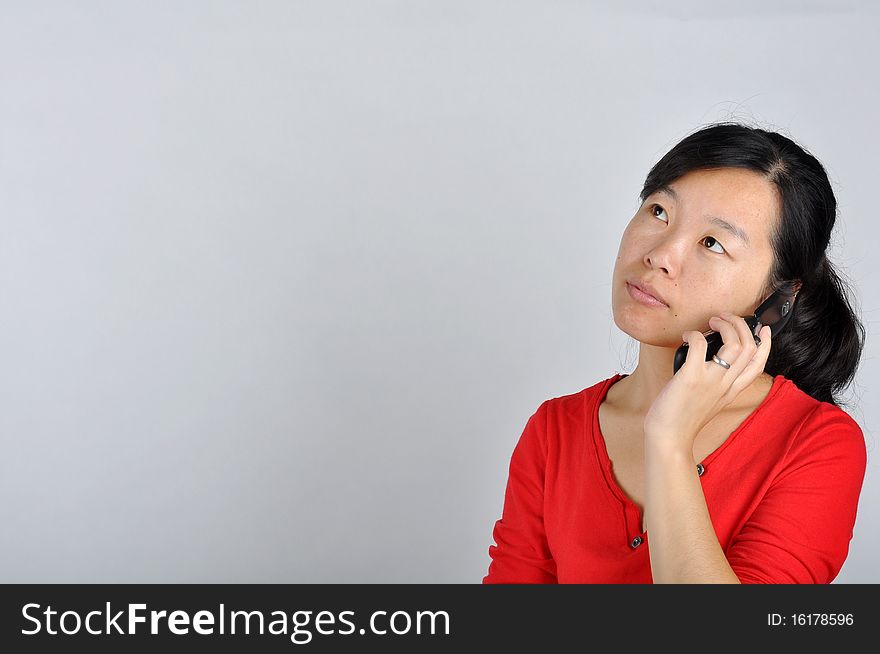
(762, 349)
(757, 363)
(745, 336)
(742, 327)
(697, 347)
(732, 347)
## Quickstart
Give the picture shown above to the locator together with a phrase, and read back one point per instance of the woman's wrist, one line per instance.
(667, 451)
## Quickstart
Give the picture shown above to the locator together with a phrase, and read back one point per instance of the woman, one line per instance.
(739, 469)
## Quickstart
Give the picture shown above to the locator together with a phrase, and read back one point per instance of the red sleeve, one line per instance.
(800, 531)
(521, 554)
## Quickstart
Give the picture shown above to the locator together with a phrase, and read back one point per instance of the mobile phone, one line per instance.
(774, 311)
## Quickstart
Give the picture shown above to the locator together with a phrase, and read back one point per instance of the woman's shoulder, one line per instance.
(824, 430)
(571, 412)
(816, 414)
(574, 401)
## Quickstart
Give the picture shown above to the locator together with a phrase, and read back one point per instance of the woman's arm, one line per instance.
(800, 531)
(682, 542)
(521, 554)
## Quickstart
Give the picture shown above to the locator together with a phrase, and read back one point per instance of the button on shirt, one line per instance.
(782, 492)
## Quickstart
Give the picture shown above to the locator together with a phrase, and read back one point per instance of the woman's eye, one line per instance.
(712, 238)
(654, 207)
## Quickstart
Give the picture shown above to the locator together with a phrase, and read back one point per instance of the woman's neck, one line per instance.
(635, 393)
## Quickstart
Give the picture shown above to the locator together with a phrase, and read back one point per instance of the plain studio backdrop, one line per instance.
(283, 281)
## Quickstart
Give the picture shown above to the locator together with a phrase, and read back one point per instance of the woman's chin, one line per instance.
(650, 332)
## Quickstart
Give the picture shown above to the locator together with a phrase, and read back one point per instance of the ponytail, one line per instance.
(820, 347)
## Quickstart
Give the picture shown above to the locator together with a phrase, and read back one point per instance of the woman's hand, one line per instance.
(701, 389)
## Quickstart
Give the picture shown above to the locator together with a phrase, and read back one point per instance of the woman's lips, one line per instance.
(643, 298)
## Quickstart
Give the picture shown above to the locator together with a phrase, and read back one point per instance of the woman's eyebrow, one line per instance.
(730, 227)
(715, 220)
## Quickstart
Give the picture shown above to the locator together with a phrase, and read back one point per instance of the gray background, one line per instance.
(283, 281)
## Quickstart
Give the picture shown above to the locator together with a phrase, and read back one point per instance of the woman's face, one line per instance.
(698, 267)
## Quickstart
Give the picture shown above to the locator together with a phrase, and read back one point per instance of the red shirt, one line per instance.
(782, 493)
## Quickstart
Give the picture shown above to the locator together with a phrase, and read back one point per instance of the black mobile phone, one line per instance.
(774, 311)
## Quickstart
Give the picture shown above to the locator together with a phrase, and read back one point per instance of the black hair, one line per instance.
(820, 347)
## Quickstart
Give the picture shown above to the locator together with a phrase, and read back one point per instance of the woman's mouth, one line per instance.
(643, 298)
